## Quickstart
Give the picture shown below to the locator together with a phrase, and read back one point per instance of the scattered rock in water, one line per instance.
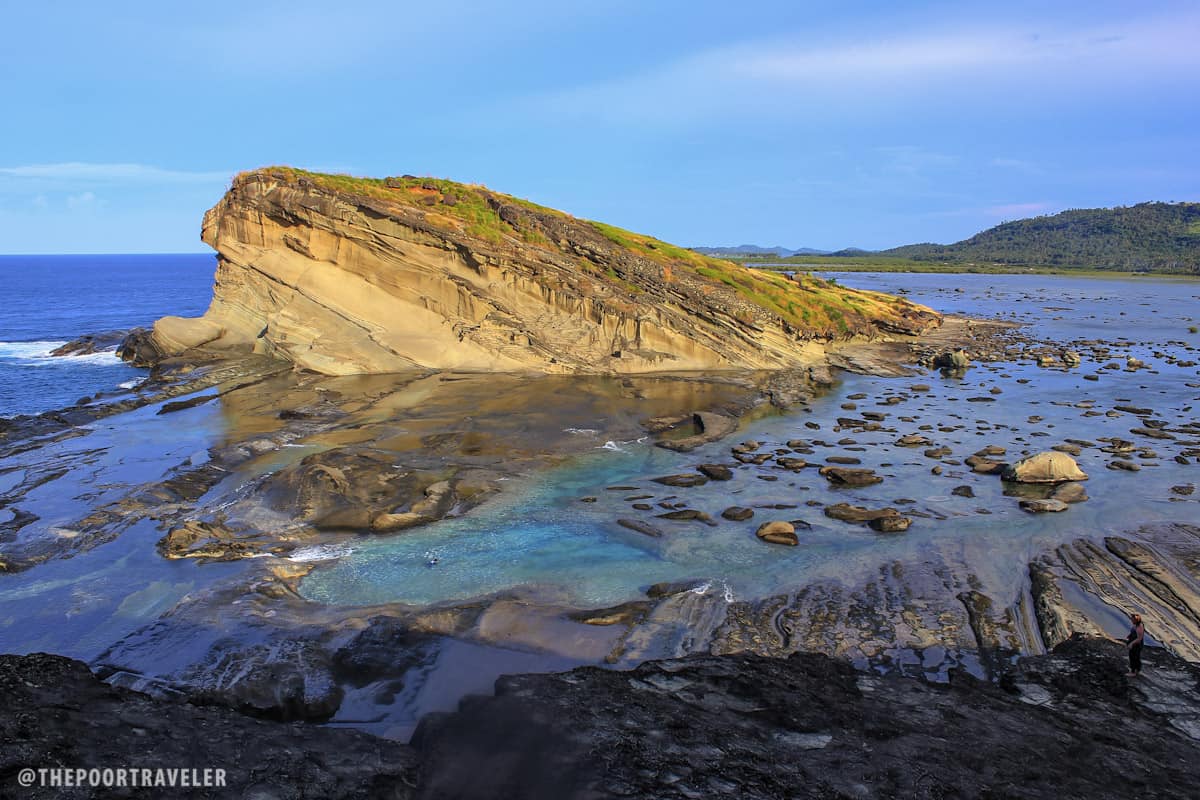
(1127, 466)
(1048, 467)
(709, 426)
(985, 466)
(843, 460)
(849, 513)
(1069, 449)
(1071, 358)
(952, 361)
(687, 514)
(913, 440)
(1035, 506)
(641, 527)
(794, 464)
(746, 447)
(589, 499)
(1135, 410)
(685, 481)
(718, 472)
(846, 476)
(778, 532)
(936, 470)
(1151, 433)
(1184, 489)
(737, 513)
(896, 524)
(963, 491)
(642, 506)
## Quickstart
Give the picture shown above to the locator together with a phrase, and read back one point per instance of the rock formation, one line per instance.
(344, 275)
(1064, 724)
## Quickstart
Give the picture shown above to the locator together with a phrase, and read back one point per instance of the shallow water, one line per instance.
(544, 535)
(540, 534)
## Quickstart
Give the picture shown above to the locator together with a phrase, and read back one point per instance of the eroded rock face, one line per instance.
(342, 282)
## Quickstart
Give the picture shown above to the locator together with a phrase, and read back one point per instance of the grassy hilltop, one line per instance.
(811, 306)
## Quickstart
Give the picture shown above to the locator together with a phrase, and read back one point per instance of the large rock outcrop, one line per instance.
(345, 275)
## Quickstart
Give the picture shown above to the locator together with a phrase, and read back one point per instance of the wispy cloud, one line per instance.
(946, 66)
(86, 172)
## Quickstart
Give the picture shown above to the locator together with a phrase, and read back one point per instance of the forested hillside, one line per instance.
(1163, 237)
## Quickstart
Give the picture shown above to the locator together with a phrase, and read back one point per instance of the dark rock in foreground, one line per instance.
(1068, 724)
(1062, 725)
(57, 714)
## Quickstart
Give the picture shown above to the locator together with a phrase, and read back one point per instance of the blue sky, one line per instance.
(819, 124)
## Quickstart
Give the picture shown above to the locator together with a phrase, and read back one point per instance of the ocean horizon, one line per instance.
(53, 299)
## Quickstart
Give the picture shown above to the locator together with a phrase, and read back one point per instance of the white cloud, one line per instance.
(991, 63)
(81, 171)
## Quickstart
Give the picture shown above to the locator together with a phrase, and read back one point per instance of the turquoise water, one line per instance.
(543, 535)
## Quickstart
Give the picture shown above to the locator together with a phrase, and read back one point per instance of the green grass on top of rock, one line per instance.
(809, 304)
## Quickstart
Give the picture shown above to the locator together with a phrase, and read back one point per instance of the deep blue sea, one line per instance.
(49, 300)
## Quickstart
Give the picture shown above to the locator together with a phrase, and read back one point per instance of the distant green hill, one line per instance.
(1162, 237)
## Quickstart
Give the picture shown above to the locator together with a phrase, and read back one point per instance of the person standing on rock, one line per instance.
(1133, 642)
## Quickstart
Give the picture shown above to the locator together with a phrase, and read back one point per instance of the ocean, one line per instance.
(50, 300)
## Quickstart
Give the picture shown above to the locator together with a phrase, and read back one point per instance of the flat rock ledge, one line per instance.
(1066, 724)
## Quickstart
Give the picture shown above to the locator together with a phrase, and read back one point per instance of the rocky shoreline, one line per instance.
(1063, 724)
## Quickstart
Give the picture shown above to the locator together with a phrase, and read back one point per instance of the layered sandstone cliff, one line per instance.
(346, 275)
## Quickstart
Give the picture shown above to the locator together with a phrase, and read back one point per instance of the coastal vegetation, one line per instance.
(810, 305)
(1148, 237)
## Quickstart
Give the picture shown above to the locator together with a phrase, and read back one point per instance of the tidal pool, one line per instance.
(543, 534)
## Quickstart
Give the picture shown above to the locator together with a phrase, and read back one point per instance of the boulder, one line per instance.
(890, 524)
(686, 480)
(737, 513)
(848, 513)
(717, 472)
(778, 532)
(1051, 466)
(175, 335)
(952, 361)
(845, 476)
